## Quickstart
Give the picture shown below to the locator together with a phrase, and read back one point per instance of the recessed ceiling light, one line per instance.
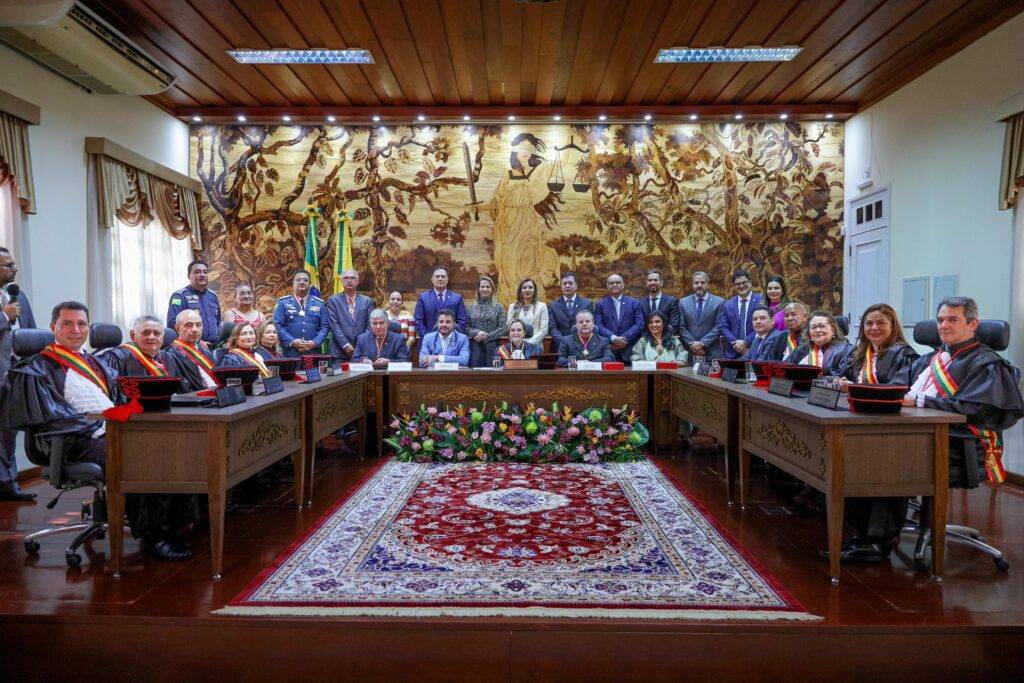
(556, 117)
(354, 56)
(692, 55)
(647, 117)
(828, 116)
(602, 117)
(421, 117)
(738, 117)
(240, 118)
(783, 116)
(197, 119)
(466, 117)
(376, 119)
(511, 117)
(286, 118)
(693, 117)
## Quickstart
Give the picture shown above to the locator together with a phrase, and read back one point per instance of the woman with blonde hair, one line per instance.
(485, 324)
(268, 341)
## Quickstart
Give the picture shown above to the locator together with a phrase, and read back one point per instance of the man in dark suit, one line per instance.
(433, 300)
(657, 300)
(619, 318)
(348, 315)
(585, 343)
(562, 311)
(698, 320)
(380, 346)
(734, 323)
(764, 335)
(17, 313)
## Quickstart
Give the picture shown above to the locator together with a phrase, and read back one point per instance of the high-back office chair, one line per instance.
(844, 324)
(46, 449)
(103, 337)
(996, 335)
(170, 335)
(224, 333)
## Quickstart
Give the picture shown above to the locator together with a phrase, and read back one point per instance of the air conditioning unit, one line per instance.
(83, 48)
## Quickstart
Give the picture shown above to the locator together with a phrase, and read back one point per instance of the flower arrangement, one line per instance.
(516, 433)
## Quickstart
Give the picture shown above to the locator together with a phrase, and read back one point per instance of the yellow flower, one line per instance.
(463, 431)
(479, 453)
(503, 427)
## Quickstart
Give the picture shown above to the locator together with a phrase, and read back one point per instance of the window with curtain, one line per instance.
(148, 264)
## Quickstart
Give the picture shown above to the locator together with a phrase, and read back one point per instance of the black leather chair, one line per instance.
(103, 337)
(395, 326)
(844, 324)
(218, 355)
(226, 328)
(170, 335)
(46, 449)
(996, 335)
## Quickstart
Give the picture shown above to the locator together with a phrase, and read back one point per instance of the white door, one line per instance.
(868, 253)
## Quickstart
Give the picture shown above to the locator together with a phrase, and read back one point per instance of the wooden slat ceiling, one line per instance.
(563, 54)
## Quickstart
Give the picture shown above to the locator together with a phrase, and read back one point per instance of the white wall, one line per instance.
(55, 236)
(53, 262)
(937, 142)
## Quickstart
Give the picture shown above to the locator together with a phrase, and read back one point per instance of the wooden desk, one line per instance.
(841, 453)
(208, 450)
(707, 404)
(576, 389)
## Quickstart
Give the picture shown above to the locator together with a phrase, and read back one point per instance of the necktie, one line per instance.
(743, 318)
(618, 310)
(654, 304)
(700, 307)
(440, 299)
(569, 304)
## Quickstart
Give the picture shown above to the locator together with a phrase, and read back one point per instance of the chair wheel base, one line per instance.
(1001, 564)
(920, 564)
(31, 547)
(73, 559)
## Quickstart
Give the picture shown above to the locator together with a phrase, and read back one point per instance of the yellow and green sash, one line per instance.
(152, 366)
(253, 360)
(817, 356)
(69, 360)
(195, 355)
(991, 441)
(791, 344)
(868, 371)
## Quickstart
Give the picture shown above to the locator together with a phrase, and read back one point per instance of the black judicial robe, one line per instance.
(987, 396)
(837, 355)
(122, 360)
(599, 349)
(779, 348)
(890, 368)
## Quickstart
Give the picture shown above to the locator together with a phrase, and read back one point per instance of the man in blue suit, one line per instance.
(562, 311)
(764, 335)
(348, 314)
(619, 318)
(446, 345)
(657, 300)
(734, 323)
(431, 302)
(380, 346)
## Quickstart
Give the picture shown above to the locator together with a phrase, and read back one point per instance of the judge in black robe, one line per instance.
(890, 366)
(122, 360)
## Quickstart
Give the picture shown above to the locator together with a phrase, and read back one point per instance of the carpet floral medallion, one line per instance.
(509, 539)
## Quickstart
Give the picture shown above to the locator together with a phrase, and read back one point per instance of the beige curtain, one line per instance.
(15, 159)
(135, 198)
(1011, 181)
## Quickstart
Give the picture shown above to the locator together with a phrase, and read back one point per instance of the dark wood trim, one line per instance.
(33, 472)
(1014, 478)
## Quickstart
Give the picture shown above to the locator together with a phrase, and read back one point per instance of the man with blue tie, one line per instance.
(300, 318)
(619, 318)
(348, 314)
(734, 321)
(698, 320)
(764, 334)
(657, 300)
(430, 303)
(446, 345)
(562, 311)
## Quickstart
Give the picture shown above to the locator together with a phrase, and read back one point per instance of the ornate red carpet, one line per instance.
(606, 540)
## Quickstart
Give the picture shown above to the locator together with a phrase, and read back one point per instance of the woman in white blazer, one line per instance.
(531, 311)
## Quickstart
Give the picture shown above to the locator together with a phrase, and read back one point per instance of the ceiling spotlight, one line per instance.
(602, 117)
(240, 118)
(331, 119)
(556, 117)
(466, 117)
(647, 117)
(511, 117)
(421, 117)
(376, 119)
(693, 117)
(197, 119)
(783, 116)
(286, 118)
(828, 116)
(738, 117)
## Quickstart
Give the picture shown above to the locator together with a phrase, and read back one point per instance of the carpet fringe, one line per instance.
(522, 612)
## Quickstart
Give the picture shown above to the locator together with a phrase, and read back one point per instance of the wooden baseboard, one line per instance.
(1014, 478)
(30, 473)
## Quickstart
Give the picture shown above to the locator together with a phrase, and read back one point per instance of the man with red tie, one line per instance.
(431, 302)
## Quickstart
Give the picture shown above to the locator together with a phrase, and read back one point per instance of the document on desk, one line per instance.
(645, 365)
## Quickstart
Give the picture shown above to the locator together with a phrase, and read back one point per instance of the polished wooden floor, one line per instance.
(884, 621)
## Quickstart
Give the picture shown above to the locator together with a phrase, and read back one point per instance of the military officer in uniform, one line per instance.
(301, 318)
(197, 297)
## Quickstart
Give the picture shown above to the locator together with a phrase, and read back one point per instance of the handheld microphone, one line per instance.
(14, 290)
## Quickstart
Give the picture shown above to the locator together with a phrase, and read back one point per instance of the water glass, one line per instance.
(572, 362)
(496, 364)
(234, 382)
(323, 368)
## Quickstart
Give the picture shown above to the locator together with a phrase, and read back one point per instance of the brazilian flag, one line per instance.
(312, 261)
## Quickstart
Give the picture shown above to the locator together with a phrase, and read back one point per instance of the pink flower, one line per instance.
(573, 431)
(544, 438)
(416, 446)
(486, 438)
(395, 424)
(432, 411)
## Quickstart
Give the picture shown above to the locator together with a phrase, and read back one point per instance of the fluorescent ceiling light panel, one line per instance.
(301, 56)
(704, 55)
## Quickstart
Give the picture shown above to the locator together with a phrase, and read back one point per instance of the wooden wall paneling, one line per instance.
(762, 21)
(590, 54)
(533, 30)
(873, 29)
(353, 24)
(632, 46)
(389, 24)
(676, 30)
(432, 46)
(491, 22)
(571, 29)
(552, 19)
(789, 32)
(614, 41)
(461, 45)
(511, 53)
(717, 29)
(828, 33)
